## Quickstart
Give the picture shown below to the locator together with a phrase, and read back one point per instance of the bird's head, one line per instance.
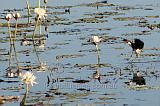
(127, 41)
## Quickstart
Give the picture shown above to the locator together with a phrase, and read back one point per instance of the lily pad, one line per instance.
(127, 18)
(67, 56)
(13, 88)
(80, 81)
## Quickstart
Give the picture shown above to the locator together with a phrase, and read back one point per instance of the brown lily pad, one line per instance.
(80, 81)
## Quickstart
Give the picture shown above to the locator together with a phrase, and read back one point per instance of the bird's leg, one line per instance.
(134, 59)
(132, 53)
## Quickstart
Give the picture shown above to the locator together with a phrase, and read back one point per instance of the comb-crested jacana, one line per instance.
(138, 79)
(137, 45)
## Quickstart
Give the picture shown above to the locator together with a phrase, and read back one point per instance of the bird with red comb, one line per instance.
(137, 45)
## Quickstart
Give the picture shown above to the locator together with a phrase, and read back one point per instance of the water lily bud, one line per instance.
(8, 17)
(17, 16)
(45, 1)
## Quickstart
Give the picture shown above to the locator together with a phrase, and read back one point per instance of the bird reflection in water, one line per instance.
(138, 79)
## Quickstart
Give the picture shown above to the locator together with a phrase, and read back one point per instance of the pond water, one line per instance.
(64, 67)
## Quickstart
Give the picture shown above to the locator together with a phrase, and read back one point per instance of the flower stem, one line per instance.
(10, 56)
(15, 33)
(45, 6)
(98, 54)
(11, 43)
(39, 3)
(28, 11)
(34, 33)
(16, 56)
(9, 31)
(25, 96)
(40, 29)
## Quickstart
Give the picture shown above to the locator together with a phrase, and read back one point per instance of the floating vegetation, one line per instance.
(150, 54)
(13, 88)
(97, 4)
(92, 65)
(119, 48)
(61, 43)
(104, 13)
(67, 56)
(106, 98)
(39, 99)
(152, 49)
(90, 50)
(127, 8)
(131, 34)
(12, 10)
(152, 16)
(3, 99)
(127, 18)
(89, 20)
(141, 55)
(142, 87)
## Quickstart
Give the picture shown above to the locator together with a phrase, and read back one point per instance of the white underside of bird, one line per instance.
(138, 51)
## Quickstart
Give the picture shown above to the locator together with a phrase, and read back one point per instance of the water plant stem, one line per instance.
(11, 43)
(45, 6)
(39, 3)
(15, 53)
(40, 29)
(15, 32)
(9, 31)
(25, 96)
(98, 54)
(34, 33)
(10, 56)
(28, 11)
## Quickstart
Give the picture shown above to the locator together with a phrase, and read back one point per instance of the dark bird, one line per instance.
(67, 10)
(137, 45)
(138, 79)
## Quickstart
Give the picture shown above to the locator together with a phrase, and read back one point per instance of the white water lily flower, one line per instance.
(40, 12)
(8, 17)
(96, 40)
(28, 78)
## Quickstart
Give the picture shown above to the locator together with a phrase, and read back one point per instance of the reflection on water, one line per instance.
(76, 51)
